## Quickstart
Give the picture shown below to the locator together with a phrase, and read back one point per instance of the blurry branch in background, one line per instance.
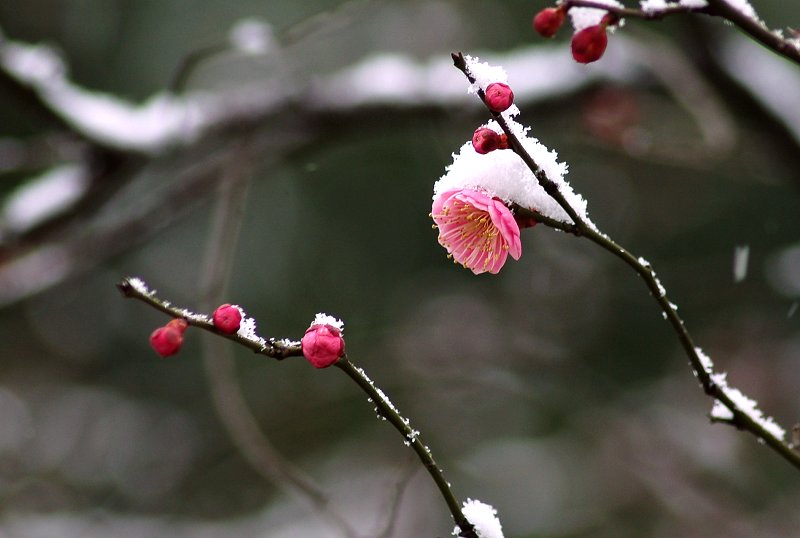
(108, 144)
(220, 367)
(400, 487)
(748, 23)
(135, 288)
(254, 38)
(730, 405)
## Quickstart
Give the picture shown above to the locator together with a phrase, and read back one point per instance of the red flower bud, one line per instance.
(322, 345)
(498, 96)
(227, 318)
(503, 144)
(484, 140)
(548, 21)
(179, 324)
(167, 340)
(589, 44)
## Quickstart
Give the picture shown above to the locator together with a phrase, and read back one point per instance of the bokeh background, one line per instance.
(553, 391)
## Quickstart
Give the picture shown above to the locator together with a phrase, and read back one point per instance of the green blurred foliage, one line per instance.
(553, 391)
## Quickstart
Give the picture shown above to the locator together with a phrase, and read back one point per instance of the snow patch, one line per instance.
(483, 517)
(326, 319)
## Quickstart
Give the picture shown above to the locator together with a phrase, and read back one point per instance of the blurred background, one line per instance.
(281, 155)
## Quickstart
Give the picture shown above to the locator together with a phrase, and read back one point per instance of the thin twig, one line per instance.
(755, 28)
(412, 439)
(394, 503)
(633, 13)
(135, 288)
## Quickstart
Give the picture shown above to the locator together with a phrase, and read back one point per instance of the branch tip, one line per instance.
(125, 288)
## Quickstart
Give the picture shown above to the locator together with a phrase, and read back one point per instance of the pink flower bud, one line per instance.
(322, 345)
(178, 324)
(548, 21)
(589, 44)
(499, 96)
(484, 140)
(503, 141)
(227, 318)
(167, 340)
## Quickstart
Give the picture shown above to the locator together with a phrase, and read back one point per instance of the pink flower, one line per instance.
(322, 345)
(477, 230)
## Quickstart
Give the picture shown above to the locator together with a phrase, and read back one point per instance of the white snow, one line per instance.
(193, 316)
(484, 75)
(741, 256)
(36, 64)
(746, 405)
(247, 327)
(326, 319)
(161, 120)
(503, 173)
(140, 286)
(251, 37)
(705, 360)
(483, 517)
(652, 6)
(744, 7)
(399, 79)
(43, 196)
(583, 17)
(721, 412)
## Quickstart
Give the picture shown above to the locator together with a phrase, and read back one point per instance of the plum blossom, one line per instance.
(478, 230)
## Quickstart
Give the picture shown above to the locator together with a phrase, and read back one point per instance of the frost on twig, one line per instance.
(720, 412)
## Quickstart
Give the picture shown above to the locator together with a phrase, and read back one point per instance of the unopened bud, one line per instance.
(548, 21)
(485, 140)
(498, 96)
(589, 44)
(227, 318)
(167, 340)
(322, 345)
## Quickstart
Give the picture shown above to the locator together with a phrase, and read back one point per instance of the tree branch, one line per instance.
(755, 28)
(713, 384)
(136, 288)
